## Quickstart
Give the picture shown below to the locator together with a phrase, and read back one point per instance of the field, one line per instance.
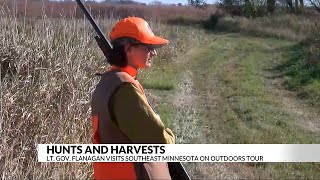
(222, 80)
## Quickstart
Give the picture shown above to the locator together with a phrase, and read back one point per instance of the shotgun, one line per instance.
(103, 43)
(176, 169)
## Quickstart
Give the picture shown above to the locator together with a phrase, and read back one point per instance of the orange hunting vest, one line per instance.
(106, 131)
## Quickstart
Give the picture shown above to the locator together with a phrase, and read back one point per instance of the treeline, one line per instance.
(255, 8)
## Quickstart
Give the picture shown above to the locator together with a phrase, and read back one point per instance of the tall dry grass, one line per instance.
(46, 100)
(47, 86)
(284, 26)
(54, 9)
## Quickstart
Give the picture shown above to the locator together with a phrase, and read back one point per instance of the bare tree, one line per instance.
(315, 4)
(156, 3)
(297, 7)
(301, 4)
(200, 4)
(271, 4)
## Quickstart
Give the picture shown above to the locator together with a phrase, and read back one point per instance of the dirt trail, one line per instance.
(191, 126)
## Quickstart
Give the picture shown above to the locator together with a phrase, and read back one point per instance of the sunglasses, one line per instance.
(147, 47)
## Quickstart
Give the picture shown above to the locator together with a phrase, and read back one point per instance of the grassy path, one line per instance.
(229, 92)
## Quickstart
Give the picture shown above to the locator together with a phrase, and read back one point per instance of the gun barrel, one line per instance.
(93, 23)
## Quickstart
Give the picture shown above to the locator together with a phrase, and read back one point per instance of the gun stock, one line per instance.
(177, 171)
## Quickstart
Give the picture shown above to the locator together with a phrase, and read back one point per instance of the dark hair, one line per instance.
(117, 56)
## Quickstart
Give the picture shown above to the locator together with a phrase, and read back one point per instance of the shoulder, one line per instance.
(118, 76)
(127, 95)
(128, 89)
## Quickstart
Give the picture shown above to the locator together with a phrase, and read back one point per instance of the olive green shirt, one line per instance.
(136, 118)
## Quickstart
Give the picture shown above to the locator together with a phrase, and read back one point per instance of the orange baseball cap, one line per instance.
(137, 29)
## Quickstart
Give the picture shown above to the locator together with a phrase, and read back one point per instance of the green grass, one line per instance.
(166, 113)
(254, 106)
(161, 77)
